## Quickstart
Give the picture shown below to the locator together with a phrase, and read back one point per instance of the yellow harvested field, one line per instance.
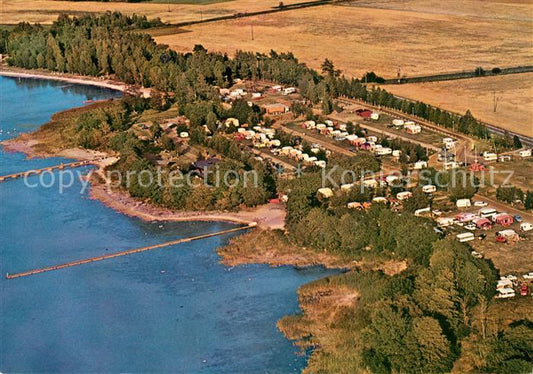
(420, 37)
(513, 92)
(415, 36)
(46, 11)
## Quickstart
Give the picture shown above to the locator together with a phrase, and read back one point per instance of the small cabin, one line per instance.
(404, 195)
(276, 109)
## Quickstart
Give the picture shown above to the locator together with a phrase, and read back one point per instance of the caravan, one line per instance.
(465, 237)
(429, 188)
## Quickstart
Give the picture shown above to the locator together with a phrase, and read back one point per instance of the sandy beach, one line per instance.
(268, 216)
(70, 78)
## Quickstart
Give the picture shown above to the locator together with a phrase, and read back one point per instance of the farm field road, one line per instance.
(47, 11)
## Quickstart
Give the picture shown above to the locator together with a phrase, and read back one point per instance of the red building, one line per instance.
(365, 113)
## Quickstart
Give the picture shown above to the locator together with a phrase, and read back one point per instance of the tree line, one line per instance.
(97, 45)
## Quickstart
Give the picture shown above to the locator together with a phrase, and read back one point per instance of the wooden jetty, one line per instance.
(128, 252)
(49, 168)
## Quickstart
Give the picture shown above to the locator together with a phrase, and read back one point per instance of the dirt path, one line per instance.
(503, 207)
(332, 147)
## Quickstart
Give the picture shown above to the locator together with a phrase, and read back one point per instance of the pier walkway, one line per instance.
(125, 253)
(22, 174)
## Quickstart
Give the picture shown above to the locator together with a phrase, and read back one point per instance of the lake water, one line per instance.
(170, 310)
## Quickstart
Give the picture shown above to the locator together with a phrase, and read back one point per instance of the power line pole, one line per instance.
(495, 100)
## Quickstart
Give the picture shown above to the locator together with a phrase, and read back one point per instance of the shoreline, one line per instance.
(267, 216)
(14, 72)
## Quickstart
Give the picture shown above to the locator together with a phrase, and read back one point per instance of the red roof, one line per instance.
(477, 167)
(365, 113)
(483, 222)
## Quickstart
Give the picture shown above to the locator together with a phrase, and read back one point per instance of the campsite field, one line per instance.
(513, 93)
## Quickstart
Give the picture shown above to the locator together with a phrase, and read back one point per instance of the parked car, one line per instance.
(477, 254)
(528, 275)
(437, 212)
(524, 289)
(518, 218)
(501, 239)
(482, 236)
(480, 203)
(471, 227)
(511, 277)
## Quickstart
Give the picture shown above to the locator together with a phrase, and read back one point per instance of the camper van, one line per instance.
(429, 188)
(383, 151)
(289, 90)
(487, 213)
(423, 212)
(445, 221)
(504, 283)
(404, 195)
(419, 165)
(525, 153)
(490, 157)
(526, 226)
(465, 237)
(463, 203)
(505, 293)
